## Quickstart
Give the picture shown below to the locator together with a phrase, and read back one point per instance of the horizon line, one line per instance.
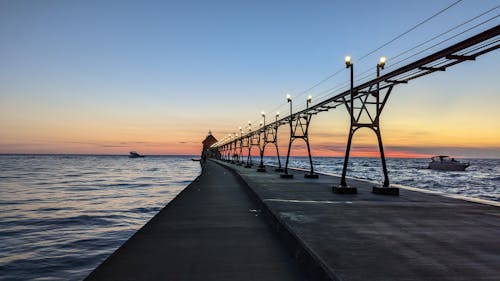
(254, 156)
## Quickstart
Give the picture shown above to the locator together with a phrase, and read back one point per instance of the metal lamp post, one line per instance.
(279, 169)
(380, 66)
(262, 168)
(249, 157)
(234, 148)
(241, 147)
(350, 65)
(225, 148)
(306, 138)
(230, 146)
(287, 175)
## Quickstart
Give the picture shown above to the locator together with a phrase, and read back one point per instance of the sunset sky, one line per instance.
(107, 77)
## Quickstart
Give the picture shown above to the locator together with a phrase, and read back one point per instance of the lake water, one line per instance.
(62, 215)
(480, 180)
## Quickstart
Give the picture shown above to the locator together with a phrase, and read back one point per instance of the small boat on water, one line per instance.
(445, 163)
(134, 154)
(195, 159)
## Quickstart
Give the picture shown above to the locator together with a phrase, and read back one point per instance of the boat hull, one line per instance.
(448, 166)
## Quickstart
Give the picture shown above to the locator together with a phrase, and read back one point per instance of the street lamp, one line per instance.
(350, 65)
(263, 114)
(289, 100)
(381, 63)
(309, 100)
(380, 66)
(348, 61)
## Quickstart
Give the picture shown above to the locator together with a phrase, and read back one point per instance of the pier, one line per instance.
(364, 103)
(212, 230)
(238, 221)
(234, 223)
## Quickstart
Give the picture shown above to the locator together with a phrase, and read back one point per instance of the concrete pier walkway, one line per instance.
(414, 236)
(235, 223)
(211, 231)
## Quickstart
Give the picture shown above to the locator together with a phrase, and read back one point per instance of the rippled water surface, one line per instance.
(61, 216)
(480, 180)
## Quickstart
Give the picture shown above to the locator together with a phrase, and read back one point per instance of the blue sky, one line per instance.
(185, 66)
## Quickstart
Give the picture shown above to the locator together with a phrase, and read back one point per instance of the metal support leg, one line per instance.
(382, 157)
(385, 189)
(262, 168)
(343, 188)
(279, 169)
(262, 157)
(311, 174)
(235, 155)
(286, 175)
(343, 182)
(249, 158)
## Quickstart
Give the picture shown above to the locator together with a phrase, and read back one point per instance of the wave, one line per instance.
(128, 185)
(145, 210)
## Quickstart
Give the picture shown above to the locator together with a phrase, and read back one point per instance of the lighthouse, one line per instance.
(207, 143)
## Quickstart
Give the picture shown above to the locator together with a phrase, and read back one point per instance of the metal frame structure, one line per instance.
(234, 145)
(262, 144)
(253, 140)
(299, 129)
(269, 135)
(364, 111)
(368, 99)
(243, 143)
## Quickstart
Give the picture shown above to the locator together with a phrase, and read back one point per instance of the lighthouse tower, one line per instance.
(209, 140)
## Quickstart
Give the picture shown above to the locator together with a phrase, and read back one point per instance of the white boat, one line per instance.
(134, 154)
(445, 163)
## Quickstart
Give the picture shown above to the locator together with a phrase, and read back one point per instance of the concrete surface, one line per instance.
(210, 231)
(414, 236)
